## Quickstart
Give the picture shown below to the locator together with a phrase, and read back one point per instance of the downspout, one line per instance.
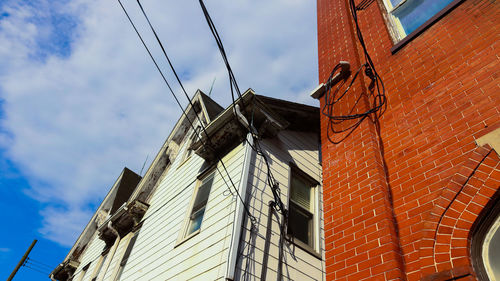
(242, 189)
(112, 251)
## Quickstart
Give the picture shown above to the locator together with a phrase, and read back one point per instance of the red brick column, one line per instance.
(361, 238)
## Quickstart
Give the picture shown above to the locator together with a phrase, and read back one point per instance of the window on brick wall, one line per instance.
(302, 213)
(406, 16)
(485, 249)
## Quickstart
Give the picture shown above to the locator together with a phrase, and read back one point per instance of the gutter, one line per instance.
(242, 189)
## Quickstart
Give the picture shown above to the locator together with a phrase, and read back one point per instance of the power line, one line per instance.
(35, 266)
(38, 262)
(346, 123)
(178, 103)
(218, 40)
(37, 270)
(273, 184)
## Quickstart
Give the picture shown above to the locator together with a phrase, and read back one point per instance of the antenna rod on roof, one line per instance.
(211, 87)
(140, 174)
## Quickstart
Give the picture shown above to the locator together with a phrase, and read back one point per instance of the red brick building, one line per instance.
(414, 197)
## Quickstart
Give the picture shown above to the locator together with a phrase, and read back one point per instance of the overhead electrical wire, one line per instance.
(178, 103)
(208, 143)
(38, 263)
(274, 185)
(344, 124)
(218, 40)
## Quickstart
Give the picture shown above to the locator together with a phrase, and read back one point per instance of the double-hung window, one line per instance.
(302, 209)
(408, 15)
(199, 204)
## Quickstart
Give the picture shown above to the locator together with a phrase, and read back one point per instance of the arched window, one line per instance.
(485, 244)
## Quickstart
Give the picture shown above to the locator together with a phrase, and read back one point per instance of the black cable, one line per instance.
(184, 112)
(36, 266)
(271, 181)
(37, 270)
(364, 4)
(38, 262)
(346, 123)
(218, 40)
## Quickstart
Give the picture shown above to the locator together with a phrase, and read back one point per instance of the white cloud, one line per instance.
(72, 122)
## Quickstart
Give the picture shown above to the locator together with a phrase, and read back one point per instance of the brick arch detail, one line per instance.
(444, 248)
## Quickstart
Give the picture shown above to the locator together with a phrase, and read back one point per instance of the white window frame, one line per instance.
(314, 246)
(396, 28)
(184, 235)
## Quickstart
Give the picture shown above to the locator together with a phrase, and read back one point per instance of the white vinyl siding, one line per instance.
(302, 150)
(92, 255)
(157, 255)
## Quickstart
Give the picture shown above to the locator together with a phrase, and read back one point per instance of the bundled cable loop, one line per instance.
(344, 124)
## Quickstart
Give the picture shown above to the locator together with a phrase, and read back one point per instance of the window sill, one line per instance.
(304, 247)
(425, 26)
(183, 240)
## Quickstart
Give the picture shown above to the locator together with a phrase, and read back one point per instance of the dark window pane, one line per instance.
(300, 224)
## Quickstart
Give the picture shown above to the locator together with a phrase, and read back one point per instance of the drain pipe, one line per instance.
(242, 189)
(112, 251)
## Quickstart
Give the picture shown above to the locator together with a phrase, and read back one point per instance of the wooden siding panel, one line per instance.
(91, 254)
(157, 255)
(301, 149)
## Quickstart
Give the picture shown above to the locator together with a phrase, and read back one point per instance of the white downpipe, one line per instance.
(111, 252)
(240, 208)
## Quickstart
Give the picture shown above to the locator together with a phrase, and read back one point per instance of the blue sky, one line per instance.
(80, 99)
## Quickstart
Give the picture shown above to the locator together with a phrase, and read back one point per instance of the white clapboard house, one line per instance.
(205, 210)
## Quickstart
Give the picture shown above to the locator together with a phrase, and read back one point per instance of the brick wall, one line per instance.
(391, 190)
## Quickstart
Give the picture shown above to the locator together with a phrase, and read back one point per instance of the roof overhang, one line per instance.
(268, 116)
